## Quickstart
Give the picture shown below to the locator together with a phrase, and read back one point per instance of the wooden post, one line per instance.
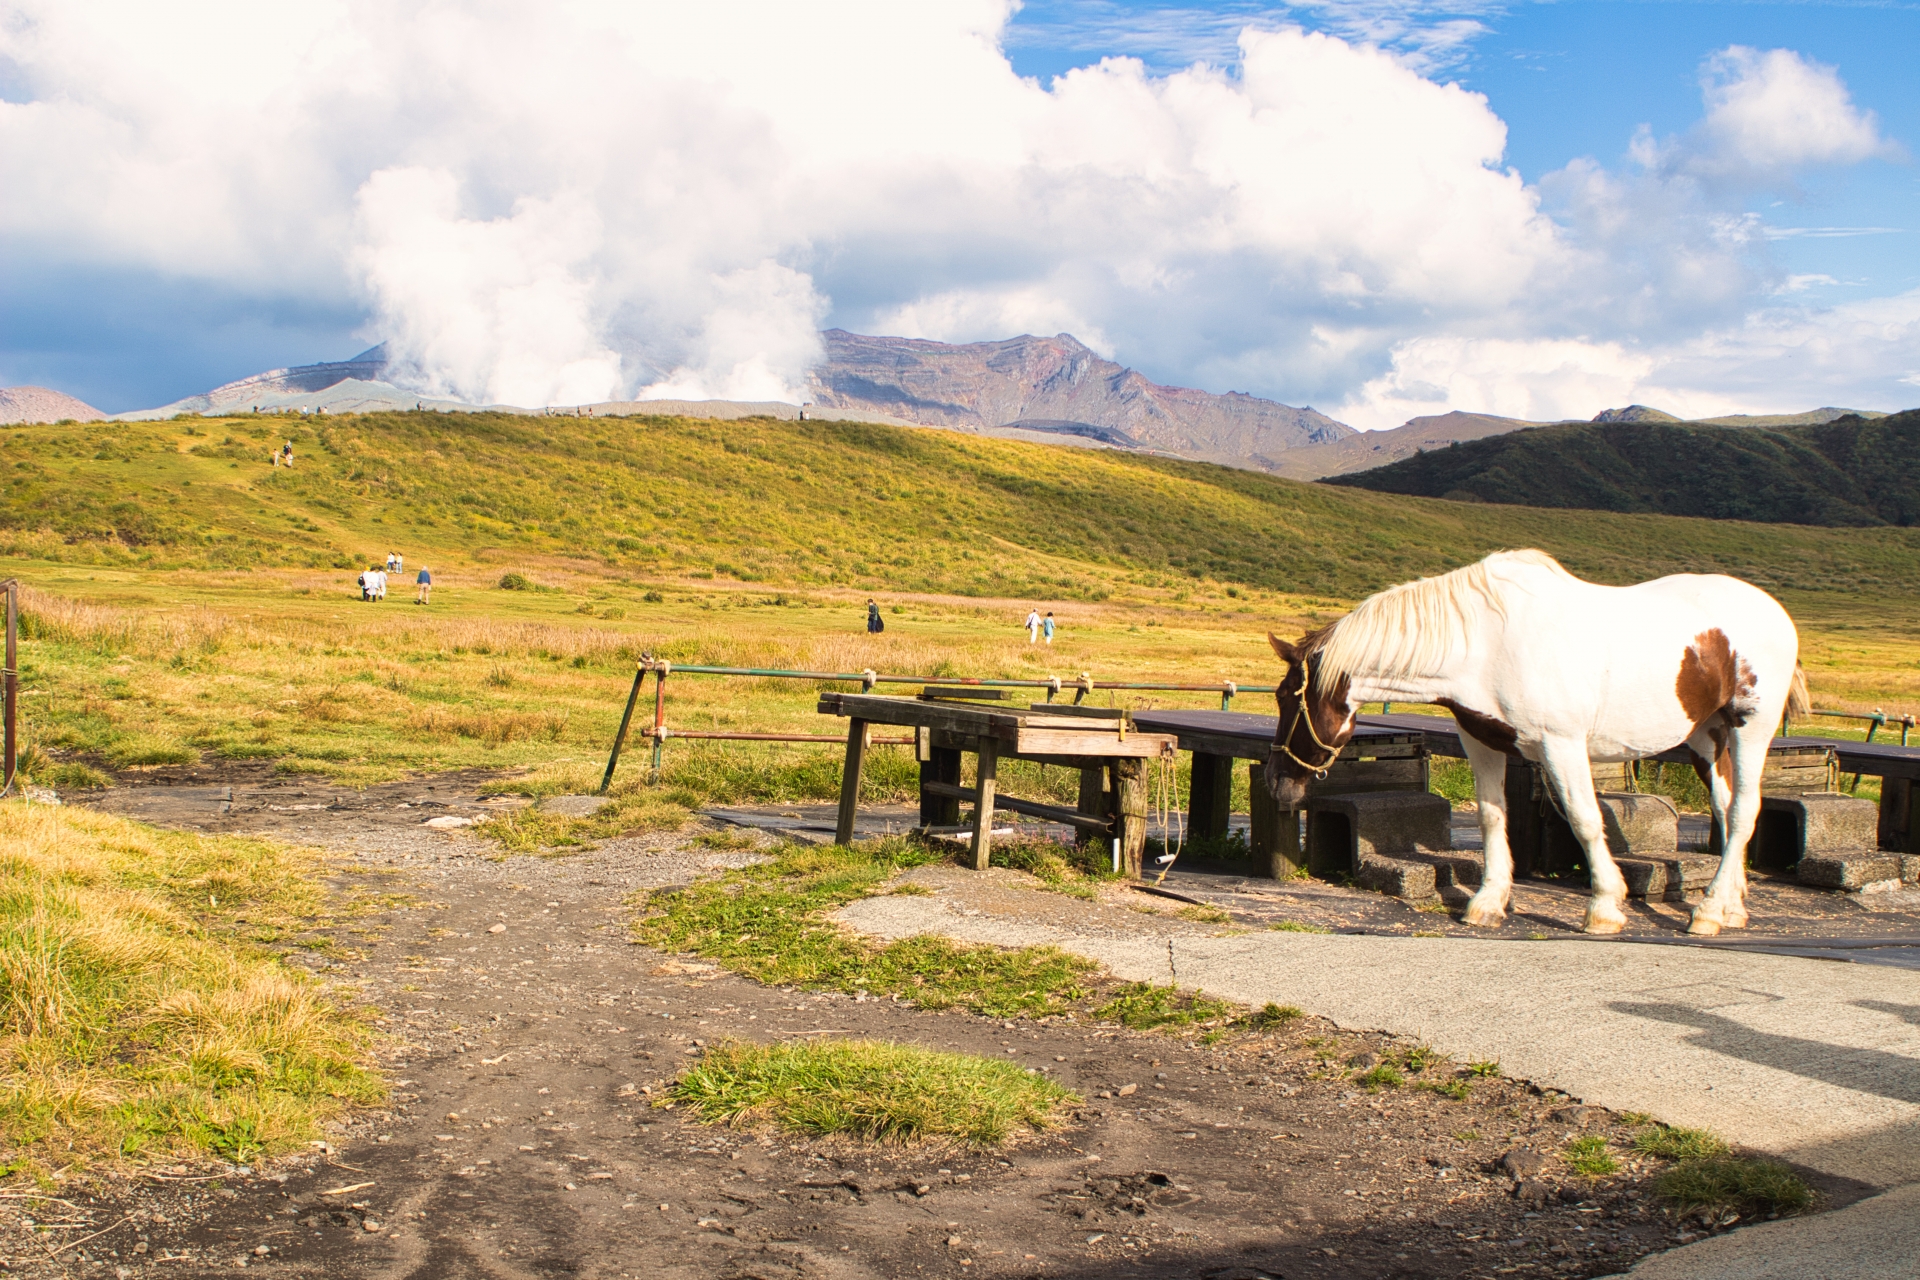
(1275, 842)
(941, 765)
(989, 764)
(1130, 812)
(1209, 796)
(1899, 830)
(1093, 800)
(850, 781)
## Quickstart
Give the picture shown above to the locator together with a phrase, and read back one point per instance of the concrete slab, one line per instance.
(1875, 1239)
(1801, 1058)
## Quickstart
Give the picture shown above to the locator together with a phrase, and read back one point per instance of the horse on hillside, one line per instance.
(1533, 662)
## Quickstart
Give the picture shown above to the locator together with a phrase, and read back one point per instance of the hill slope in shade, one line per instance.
(42, 404)
(1851, 472)
(1057, 385)
(860, 506)
(1365, 450)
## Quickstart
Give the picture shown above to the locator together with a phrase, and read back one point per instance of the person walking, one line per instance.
(874, 625)
(425, 581)
(365, 581)
(379, 584)
(1033, 626)
(1046, 626)
(399, 563)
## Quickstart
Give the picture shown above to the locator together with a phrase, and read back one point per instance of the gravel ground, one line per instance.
(528, 1043)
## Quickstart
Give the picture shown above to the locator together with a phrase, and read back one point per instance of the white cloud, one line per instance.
(590, 199)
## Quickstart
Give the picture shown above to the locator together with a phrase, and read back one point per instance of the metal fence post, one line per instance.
(659, 716)
(10, 679)
(620, 738)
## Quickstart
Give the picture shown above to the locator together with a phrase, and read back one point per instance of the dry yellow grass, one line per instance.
(135, 1019)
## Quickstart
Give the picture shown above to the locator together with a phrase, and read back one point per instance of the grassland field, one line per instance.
(187, 601)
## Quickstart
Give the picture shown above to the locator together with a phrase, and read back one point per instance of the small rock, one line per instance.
(370, 1225)
(1575, 1116)
(446, 821)
(954, 1242)
(1532, 1191)
(1521, 1163)
(1128, 1090)
(141, 1247)
(1361, 1061)
(496, 928)
(309, 1221)
(922, 1189)
(261, 1251)
(1096, 1237)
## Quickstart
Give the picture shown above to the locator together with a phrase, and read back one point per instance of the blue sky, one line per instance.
(1706, 206)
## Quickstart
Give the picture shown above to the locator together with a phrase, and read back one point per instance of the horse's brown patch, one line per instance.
(1708, 675)
(1488, 731)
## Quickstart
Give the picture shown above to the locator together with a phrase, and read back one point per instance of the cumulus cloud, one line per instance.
(590, 200)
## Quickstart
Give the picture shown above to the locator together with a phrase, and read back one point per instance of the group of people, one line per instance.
(373, 583)
(1038, 628)
(283, 456)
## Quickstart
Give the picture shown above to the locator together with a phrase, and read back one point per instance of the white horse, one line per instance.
(1534, 662)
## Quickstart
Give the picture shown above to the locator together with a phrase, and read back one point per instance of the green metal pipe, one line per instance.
(986, 682)
(620, 738)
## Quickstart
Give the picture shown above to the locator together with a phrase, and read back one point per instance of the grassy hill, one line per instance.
(854, 505)
(1852, 471)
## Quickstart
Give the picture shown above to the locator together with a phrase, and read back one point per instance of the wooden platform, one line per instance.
(1110, 750)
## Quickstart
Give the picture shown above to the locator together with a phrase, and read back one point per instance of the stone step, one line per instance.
(1397, 877)
(1667, 878)
(1851, 870)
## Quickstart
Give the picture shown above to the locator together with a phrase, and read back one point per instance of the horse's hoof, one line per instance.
(1596, 925)
(1483, 917)
(1703, 928)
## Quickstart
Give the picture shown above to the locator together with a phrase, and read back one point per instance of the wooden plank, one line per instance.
(1094, 800)
(1032, 808)
(1274, 840)
(1130, 812)
(953, 716)
(850, 781)
(942, 767)
(934, 693)
(1219, 744)
(1070, 742)
(986, 773)
(1210, 796)
(1085, 713)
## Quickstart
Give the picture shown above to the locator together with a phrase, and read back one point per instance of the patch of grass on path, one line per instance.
(870, 1089)
(1670, 1142)
(768, 922)
(1145, 1006)
(1740, 1183)
(138, 1012)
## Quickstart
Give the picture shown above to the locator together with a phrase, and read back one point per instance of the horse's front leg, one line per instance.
(1488, 906)
(1570, 774)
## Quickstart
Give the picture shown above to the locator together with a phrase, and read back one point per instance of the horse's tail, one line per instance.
(1799, 701)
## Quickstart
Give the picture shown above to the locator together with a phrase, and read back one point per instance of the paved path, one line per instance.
(1813, 1061)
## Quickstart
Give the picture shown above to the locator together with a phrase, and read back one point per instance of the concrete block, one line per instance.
(1910, 867)
(1452, 869)
(1343, 828)
(1851, 869)
(1639, 824)
(1667, 878)
(1793, 826)
(1399, 877)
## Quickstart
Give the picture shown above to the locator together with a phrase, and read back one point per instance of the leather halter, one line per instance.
(1300, 716)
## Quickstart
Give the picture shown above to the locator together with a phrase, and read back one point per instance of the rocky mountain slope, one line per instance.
(1365, 450)
(1851, 471)
(1057, 386)
(40, 404)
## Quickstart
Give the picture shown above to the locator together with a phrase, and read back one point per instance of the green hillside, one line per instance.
(824, 503)
(1852, 471)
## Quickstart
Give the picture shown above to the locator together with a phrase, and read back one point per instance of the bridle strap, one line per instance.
(1300, 717)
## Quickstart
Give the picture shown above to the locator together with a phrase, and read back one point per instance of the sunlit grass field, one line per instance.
(186, 602)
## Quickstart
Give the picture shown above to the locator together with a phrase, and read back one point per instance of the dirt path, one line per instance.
(528, 1041)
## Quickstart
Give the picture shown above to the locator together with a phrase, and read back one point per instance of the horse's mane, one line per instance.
(1419, 628)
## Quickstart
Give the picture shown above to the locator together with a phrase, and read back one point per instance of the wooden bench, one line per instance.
(1107, 748)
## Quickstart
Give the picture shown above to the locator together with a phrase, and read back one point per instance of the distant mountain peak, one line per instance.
(1016, 383)
(1634, 413)
(43, 404)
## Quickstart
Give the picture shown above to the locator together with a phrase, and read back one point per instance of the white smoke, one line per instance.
(580, 201)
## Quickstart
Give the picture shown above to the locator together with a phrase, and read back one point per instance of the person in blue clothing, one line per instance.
(874, 625)
(1046, 627)
(426, 585)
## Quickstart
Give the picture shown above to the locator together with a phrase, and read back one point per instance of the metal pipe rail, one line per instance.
(661, 668)
(1876, 721)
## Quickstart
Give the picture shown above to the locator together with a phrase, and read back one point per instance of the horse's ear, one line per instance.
(1286, 651)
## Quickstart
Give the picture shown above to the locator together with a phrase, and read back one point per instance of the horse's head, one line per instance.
(1315, 722)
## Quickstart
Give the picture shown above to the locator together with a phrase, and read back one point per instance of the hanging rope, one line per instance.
(1169, 788)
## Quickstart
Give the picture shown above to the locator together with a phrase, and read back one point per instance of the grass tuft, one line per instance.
(1294, 926)
(1673, 1143)
(1145, 1007)
(1272, 1017)
(870, 1089)
(1588, 1156)
(1381, 1077)
(1740, 1183)
(768, 923)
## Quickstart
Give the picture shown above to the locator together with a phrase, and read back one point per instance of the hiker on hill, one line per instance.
(426, 585)
(1046, 626)
(379, 577)
(366, 584)
(1033, 626)
(286, 454)
(399, 563)
(874, 625)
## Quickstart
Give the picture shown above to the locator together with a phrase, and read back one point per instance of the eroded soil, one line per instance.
(529, 1042)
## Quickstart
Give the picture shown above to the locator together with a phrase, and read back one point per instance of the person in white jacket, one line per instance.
(1033, 626)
